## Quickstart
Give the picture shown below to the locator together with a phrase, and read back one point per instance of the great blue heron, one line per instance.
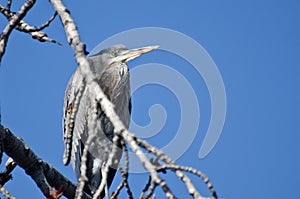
(112, 74)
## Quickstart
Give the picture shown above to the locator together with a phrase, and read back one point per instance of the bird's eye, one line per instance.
(115, 53)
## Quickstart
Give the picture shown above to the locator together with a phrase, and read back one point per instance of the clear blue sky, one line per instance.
(256, 47)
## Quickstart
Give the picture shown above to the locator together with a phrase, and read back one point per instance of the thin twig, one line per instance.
(146, 187)
(115, 194)
(46, 24)
(125, 172)
(162, 156)
(125, 182)
(193, 171)
(5, 176)
(126, 157)
(12, 24)
(106, 191)
(6, 12)
(151, 190)
(8, 5)
(83, 166)
(26, 28)
(110, 162)
(6, 193)
(82, 179)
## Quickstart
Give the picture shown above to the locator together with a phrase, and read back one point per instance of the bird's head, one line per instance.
(119, 54)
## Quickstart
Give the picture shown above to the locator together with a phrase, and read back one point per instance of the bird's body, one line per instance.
(83, 115)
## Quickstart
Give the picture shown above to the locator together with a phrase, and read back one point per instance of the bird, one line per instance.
(112, 75)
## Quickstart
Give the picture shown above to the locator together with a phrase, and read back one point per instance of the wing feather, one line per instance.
(74, 122)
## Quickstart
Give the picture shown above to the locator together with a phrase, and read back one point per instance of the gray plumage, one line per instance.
(80, 108)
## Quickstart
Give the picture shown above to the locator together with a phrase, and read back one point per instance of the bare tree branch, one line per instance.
(45, 25)
(44, 175)
(6, 193)
(5, 176)
(12, 24)
(193, 171)
(160, 155)
(151, 189)
(146, 188)
(124, 174)
(26, 28)
(8, 5)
